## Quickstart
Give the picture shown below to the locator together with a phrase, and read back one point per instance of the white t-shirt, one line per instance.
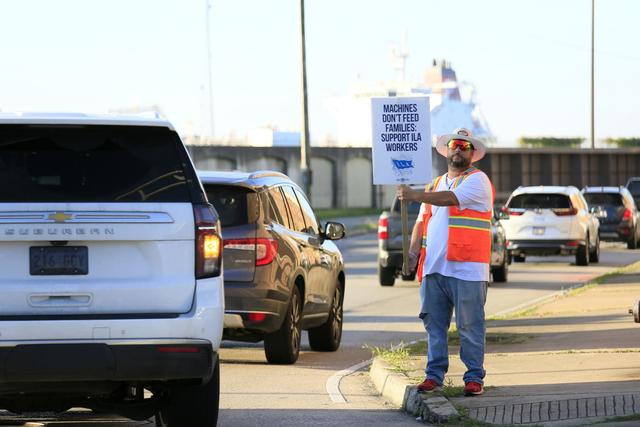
(474, 193)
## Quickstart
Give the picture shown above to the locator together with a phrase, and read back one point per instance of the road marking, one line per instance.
(333, 383)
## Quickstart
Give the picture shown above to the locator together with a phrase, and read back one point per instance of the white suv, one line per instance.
(551, 220)
(111, 286)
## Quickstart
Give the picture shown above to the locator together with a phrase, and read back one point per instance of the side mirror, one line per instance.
(503, 213)
(334, 231)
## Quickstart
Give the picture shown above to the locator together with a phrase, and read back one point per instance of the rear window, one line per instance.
(41, 163)
(603, 199)
(540, 201)
(634, 187)
(234, 204)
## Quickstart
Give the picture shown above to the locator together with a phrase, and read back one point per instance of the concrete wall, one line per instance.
(342, 175)
(323, 181)
(358, 183)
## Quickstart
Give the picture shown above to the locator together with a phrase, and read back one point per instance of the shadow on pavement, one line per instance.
(310, 417)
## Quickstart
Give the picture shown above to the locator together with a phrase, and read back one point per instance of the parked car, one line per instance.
(633, 185)
(551, 220)
(111, 280)
(390, 245)
(617, 213)
(283, 273)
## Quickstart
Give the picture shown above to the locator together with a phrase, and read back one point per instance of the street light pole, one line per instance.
(304, 131)
(593, 137)
(209, 73)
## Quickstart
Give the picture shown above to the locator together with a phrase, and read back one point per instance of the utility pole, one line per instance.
(593, 136)
(305, 171)
(209, 73)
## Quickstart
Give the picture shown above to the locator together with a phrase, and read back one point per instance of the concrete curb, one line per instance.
(400, 391)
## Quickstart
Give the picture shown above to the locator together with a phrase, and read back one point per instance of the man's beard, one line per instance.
(459, 162)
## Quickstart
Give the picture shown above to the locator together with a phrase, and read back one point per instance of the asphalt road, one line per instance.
(257, 394)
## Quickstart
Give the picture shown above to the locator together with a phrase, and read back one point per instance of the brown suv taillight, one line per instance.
(265, 249)
(208, 241)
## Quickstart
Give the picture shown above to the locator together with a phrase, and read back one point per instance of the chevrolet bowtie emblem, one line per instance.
(60, 217)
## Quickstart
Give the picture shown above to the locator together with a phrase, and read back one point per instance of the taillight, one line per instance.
(627, 214)
(565, 211)
(514, 212)
(257, 317)
(266, 249)
(383, 228)
(208, 241)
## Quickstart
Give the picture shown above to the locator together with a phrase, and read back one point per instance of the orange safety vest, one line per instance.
(469, 231)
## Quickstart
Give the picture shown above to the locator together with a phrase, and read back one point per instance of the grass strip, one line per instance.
(324, 214)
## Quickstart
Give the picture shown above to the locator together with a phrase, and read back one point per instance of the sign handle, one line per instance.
(405, 237)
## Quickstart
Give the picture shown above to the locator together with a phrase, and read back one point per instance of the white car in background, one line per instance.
(551, 220)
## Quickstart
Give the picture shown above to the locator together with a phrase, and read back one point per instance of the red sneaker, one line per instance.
(473, 388)
(429, 386)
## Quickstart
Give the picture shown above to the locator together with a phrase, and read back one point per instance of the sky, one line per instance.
(529, 60)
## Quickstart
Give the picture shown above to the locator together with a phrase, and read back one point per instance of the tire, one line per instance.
(411, 277)
(386, 275)
(594, 255)
(195, 406)
(632, 243)
(327, 337)
(501, 273)
(282, 347)
(582, 254)
(518, 258)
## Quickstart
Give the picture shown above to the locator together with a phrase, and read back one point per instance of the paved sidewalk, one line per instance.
(573, 361)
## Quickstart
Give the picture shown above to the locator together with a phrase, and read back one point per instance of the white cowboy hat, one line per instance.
(465, 134)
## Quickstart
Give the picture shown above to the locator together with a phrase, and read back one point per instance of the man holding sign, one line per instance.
(454, 226)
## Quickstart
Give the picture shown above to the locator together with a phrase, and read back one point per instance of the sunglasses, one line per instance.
(461, 144)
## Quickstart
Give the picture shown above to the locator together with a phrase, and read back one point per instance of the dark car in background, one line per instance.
(282, 272)
(617, 213)
(633, 185)
(390, 244)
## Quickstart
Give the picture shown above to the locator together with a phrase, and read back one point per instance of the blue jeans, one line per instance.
(440, 295)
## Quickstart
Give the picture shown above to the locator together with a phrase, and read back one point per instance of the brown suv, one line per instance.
(282, 272)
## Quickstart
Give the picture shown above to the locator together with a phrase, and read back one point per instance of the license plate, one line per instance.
(538, 231)
(58, 260)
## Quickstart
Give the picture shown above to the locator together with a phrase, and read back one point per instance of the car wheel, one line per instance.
(500, 273)
(410, 277)
(193, 405)
(582, 254)
(327, 337)
(386, 275)
(594, 255)
(632, 243)
(518, 258)
(282, 347)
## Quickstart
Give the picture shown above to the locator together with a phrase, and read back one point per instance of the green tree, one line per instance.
(547, 141)
(623, 142)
